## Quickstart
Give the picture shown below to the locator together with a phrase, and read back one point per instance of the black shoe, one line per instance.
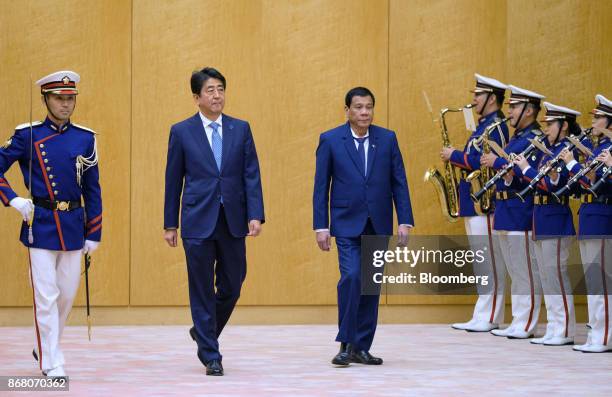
(214, 368)
(34, 354)
(364, 357)
(193, 334)
(342, 358)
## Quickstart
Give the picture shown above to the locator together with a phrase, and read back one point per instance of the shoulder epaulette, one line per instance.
(26, 125)
(85, 128)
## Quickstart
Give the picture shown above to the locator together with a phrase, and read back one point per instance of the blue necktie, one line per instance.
(361, 153)
(217, 143)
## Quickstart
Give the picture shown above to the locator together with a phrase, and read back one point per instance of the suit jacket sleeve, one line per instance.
(252, 180)
(175, 173)
(399, 185)
(92, 196)
(320, 199)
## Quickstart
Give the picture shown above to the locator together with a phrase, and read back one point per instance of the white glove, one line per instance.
(24, 206)
(90, 246)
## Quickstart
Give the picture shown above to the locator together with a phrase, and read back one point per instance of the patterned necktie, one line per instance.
(361, 153)
(217, 143)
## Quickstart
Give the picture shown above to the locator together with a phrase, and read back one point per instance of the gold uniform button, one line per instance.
(55, 192)
(50, 176)
(46, 161)
(44, 153)
(53, 184)
(42, 145)
(48, 168)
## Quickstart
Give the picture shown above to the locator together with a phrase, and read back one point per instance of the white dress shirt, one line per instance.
(208, 129)
(366, 145)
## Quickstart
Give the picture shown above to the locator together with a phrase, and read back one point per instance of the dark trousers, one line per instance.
(357, 314)
(218, 261)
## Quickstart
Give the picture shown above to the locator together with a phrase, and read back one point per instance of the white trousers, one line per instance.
(517, 250)
(552, 256)
(55, 279)
(489, 307)
(596, 257)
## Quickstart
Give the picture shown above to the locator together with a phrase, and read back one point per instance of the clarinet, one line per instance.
(500, 174)
(593, 166)
(594, 187)
(552, 164)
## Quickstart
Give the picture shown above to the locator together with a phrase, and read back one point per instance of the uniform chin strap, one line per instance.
(521, 115)
(609, 122)
(84, 163)
(484, 105)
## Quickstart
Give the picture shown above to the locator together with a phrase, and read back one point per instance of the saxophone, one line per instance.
(478, 178)
(446, 185)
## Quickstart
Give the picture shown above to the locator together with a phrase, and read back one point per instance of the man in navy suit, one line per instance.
(362, 165)
(212, 162)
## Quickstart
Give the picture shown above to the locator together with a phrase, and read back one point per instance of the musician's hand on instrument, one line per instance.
(605, 158)
(446, 153)
(566, 155)
(488, 159)
(521, 161)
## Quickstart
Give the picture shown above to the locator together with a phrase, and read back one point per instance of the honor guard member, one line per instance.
(513, 217)
(58, 160)
(595, 233)
(488, 100)
(553, 226)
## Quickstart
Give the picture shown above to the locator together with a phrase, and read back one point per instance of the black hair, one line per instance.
(499, 98)
(358, 91)
(573, 128)
(536, 108)
(198, 79)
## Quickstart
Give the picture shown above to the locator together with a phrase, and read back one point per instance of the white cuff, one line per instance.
(321, 230)
(571, 165)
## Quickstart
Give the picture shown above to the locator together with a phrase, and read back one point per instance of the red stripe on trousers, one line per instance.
(494, 268)
(562, 286)
(605, 292)
(530, 282)
(40, 354)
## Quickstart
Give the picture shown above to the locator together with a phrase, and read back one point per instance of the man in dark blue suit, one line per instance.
(359, 175)
(212, 161)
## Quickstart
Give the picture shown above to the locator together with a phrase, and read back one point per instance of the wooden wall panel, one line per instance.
(561, 49)
(436, 46)
(40, 37)
(288, 65)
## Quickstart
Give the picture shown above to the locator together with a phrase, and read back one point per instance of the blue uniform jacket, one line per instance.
(191, 170)
(54, 177)
(595, 219)
(551, 220)
(353, 196)
(469, 158)
(513, 214)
